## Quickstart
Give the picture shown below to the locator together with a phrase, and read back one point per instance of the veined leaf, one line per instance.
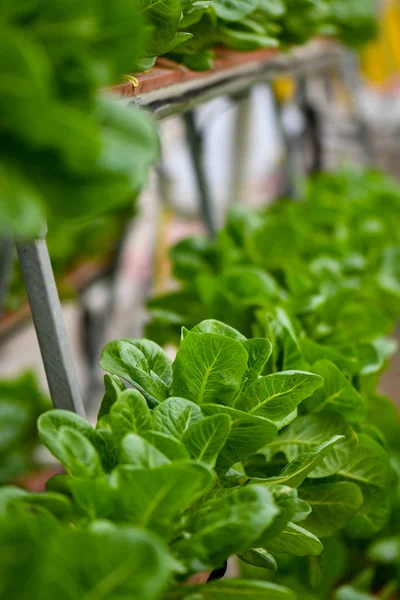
(126, 360)
(247, 434)
(78, 455)
(373, 514)
(205, 438)
(300, 468)
(158, 361)
(308, 432)
(168, 445)
(296, 541)
(279, 328)
(208, 368)
(164, 16)
(120, 561)
(314, 352)
(369, 468)
(369, 465)
(50, 503)
(258, 557)
(155, 498)
(228, 525)
(337, 395)
(129, 414)
(140, 453)
(259, 350)
(333, 505)
(277, 395)
(94, 498)
(9, 493)
(213, 326)
(175, 415)
(113, 386)
(52, 422)
(288, 503)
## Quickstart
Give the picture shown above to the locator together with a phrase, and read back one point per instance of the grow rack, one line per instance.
(171, 89)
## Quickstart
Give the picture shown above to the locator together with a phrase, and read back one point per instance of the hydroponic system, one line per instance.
(243, 448)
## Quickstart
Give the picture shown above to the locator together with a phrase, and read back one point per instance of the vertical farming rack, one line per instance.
(169, 89)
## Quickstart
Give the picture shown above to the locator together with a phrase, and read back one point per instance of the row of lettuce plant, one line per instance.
(266, 447)
(196, 461)
(321, 280)
(187, 31)
(67, 151)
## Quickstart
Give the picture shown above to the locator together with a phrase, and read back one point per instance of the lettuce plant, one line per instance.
(197, 460)
(329, 262)
(320, 280)
(187, 31)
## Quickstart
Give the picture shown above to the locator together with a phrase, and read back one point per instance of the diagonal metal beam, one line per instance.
(49, 324)
(196, 148)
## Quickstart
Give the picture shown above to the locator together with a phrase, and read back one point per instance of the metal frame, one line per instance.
(184, 97)
(240, 146)
(195, 141)
(48, 319)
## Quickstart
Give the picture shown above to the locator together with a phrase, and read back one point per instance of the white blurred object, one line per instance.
(218, 121)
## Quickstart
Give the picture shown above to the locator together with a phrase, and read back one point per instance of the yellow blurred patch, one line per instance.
(284, 88)
(381, 59)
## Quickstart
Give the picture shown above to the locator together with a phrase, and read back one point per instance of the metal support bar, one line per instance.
(289, 189)
(49, 324)
(6, 261)
(240, 145)
(196, 146)
(312, 132)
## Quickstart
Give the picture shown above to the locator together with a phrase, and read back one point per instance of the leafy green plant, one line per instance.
(254, 24)
(199, 459)
(68, 152)
(329, 262)
(319, 279)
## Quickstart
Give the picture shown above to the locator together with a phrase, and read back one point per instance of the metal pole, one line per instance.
(240, 145)
(312, 131)
(196, 146)
(289, 189)
(6, 261)
(49, 324)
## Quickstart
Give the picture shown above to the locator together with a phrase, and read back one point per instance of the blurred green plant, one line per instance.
(21, 403)
(253, 24)
(67, 151)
